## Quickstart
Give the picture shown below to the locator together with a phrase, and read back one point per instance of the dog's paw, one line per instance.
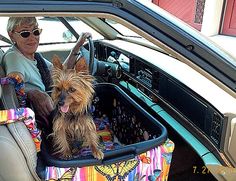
(98, 154)
(66, 156)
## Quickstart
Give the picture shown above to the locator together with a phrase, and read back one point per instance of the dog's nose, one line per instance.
(61, 103)
(62, 97)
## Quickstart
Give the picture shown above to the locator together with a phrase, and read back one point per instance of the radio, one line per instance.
(145, 76)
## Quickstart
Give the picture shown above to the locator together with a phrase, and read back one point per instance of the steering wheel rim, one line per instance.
(91, 54)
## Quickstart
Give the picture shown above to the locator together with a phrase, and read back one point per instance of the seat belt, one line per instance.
(5, 39)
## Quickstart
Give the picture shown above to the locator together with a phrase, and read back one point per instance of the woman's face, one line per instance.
(27, 45)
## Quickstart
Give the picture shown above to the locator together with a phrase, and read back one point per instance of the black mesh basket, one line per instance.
(133, 130)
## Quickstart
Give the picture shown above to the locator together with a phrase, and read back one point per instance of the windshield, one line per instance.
(121, 29)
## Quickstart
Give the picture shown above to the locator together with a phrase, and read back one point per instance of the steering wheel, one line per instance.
(91, 54)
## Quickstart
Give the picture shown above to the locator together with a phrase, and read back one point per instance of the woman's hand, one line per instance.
(71, 59)
(80, 41)
(41, 102)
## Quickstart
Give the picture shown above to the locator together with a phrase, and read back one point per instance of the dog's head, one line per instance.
(72, 88)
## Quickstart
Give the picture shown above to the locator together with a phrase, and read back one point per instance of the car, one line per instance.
(179, 82)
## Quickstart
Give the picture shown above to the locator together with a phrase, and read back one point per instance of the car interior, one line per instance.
(154, 77)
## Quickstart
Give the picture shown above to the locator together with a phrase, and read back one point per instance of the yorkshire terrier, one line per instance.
(72, 95)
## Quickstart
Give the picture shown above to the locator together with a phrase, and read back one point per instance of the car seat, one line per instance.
(18, 156)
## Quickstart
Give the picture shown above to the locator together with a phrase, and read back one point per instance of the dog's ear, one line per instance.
(81, 65)
(56, 61)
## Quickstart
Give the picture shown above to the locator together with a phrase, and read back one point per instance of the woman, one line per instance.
(22, 60)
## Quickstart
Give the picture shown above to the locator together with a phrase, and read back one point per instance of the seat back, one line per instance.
(8, 96)
(18, 156)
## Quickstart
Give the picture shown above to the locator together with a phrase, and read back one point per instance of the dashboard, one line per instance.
(191, 110)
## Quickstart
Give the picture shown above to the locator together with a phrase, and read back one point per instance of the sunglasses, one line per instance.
(26, 33)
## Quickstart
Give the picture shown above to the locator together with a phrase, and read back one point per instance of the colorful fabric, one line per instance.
(106, 137)
(19, 88)
(151, 165)
(28, 117)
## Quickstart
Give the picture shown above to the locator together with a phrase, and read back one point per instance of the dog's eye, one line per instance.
(58, 89)
(71, 90)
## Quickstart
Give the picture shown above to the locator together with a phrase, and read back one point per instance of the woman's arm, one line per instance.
(41, 102)
(73, 56)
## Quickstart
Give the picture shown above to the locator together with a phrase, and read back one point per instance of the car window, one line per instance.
(53, 26)
(80, 27)
(120, 28)
(131, 35)
(54, 31)
(3, 30)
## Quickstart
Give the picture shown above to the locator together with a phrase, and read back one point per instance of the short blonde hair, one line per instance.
(13, 22)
